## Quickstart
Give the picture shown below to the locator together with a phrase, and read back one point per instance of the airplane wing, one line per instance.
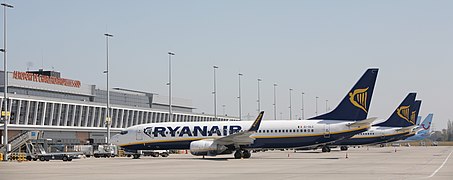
(366, 122)
(242, 138)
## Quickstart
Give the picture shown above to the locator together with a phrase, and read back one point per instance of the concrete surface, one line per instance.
(362, 163)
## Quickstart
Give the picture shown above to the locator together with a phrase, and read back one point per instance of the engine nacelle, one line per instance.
(206, 148)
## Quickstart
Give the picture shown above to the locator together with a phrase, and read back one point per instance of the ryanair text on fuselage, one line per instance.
(180, 131)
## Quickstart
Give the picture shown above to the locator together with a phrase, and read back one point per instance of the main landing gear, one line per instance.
(344, 148)
(240, 153)
(325, 149)
(136, 156)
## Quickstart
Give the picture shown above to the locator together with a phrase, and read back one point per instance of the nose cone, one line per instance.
(115, 139)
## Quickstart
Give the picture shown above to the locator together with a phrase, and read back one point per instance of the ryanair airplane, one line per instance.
(239, 137)
(400, 124)
(419, 133)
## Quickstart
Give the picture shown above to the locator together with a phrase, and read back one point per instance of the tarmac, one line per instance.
(356, 163)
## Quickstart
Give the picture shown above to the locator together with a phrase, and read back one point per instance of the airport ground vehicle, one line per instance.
(104, 150)
(152, 153)
(36, 152)
(65, 156)
(156, 153)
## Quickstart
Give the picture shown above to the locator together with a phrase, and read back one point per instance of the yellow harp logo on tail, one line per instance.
(404, 112)
(359, 98)
(413, 118)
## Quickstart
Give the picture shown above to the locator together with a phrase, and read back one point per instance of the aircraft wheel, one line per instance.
(325, 149)
(165, 154)
(136, 156)
(344, 148)
(238, 154)
(246, 154)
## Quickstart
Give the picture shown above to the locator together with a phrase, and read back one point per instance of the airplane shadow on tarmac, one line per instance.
(260, 158)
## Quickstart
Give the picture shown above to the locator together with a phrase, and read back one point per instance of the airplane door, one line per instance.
(327, 131)
(139, 135)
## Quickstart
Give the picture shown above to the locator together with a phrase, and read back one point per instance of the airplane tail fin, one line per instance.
(426, 124)
(416, 108)
(419, 120)
(356, 103)
(405, 113)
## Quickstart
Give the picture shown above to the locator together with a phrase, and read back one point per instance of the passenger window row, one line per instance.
(367, 134)
(287, 131)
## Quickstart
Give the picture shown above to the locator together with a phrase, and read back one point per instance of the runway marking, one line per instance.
(446, 159)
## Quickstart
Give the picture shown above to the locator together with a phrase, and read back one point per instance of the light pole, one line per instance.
(290, 107)
(275, 102)
(170, 114)
(5, 93)
(327, 101)
(303, 117)
(239, 97)
(215, 93)
(108, 119)
(316, 105)
(259, 100)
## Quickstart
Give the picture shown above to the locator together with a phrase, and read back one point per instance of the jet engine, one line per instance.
(206, 148)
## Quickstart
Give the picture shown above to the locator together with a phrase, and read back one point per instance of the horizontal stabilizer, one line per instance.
(366, 122)
(409, 128)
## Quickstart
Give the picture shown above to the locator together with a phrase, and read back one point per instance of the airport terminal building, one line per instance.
(71, 112)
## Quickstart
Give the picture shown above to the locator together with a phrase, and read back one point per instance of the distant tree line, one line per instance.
(445, 134)
(450, 131)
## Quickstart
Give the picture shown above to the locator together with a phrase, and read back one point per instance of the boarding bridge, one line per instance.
(18, 141)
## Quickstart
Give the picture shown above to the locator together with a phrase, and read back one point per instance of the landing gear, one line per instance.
(164, 154)
(238, 154)
(242, 154)
(136, 156)
(344, 148)
(325, 149)
(246, 154)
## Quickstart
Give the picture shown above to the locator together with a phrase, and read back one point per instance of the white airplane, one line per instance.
(421, 132)
(398, 125)
(239, 137)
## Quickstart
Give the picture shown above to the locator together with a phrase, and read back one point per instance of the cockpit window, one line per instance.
(123, 132)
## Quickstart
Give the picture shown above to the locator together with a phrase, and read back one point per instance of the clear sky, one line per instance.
(319, 47)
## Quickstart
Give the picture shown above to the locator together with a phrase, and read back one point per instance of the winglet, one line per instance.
(256, 124)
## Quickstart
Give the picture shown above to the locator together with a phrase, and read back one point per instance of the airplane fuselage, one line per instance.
(374, 135)
(271, 133)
